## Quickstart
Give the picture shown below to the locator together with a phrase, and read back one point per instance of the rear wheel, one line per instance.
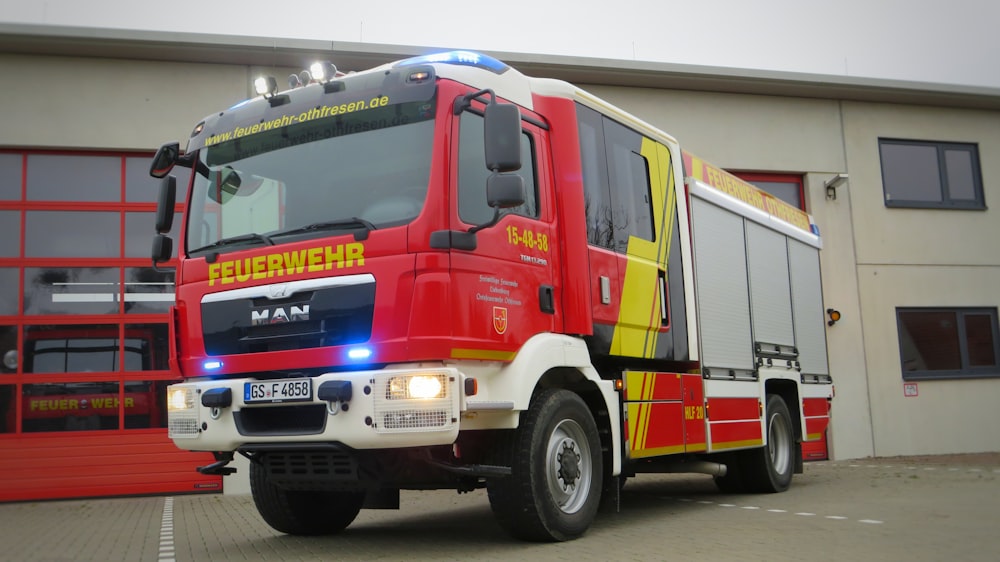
(298, 512)
(771, 467)
(554, 488)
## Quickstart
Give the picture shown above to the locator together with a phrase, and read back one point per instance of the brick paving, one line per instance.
(918, 508)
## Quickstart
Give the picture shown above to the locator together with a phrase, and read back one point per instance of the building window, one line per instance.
(937, 343)
(787, 187)
(935, 175)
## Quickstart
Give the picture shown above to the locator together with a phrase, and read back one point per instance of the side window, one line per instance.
(931, 174)
(787, 187)
(596, 193)
(472, 174)
(628, 171)
(939, 343)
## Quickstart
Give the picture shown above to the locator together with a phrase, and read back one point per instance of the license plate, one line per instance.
(284, 390)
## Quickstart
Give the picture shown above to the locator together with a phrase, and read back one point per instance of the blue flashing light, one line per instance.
(814, 228)
(460, 58)
(359, 353)
(212, 365)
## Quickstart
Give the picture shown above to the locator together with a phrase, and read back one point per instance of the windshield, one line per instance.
(368, 169)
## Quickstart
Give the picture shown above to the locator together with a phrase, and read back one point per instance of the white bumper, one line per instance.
(381, 412)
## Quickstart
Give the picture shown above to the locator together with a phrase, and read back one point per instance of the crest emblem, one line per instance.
(500, 319)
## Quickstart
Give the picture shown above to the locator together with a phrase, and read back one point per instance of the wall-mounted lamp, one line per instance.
(834, 316)
(832, 184)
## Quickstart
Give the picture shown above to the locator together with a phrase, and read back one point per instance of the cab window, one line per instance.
(472, 174)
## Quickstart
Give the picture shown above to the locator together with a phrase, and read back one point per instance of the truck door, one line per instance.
(632, 231)
(505, 288)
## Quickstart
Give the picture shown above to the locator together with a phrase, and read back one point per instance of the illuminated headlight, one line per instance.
(179, 399)
(417, 387)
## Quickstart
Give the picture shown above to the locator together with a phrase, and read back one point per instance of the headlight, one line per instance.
(417, 387)
(180, 399)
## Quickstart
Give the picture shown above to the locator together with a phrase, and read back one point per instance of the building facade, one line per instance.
(909, 259)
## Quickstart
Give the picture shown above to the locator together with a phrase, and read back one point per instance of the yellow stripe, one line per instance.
(482, 354)
(814, 436)
(738, 444)
(671, 450)
(637, 330)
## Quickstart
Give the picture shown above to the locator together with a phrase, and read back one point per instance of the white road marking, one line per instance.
(166, 552)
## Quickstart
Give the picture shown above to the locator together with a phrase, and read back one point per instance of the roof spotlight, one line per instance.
(323, 71)
(265, 86)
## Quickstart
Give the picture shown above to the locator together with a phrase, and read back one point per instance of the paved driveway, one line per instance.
(930, 508)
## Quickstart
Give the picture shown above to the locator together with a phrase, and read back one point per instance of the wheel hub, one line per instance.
(569, 463)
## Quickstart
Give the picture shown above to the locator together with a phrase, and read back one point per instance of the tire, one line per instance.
(297, 512)
(554, 489)
(771, 467)
(734, 482)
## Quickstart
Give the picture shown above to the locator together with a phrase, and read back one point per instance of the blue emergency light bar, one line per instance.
(459, 58)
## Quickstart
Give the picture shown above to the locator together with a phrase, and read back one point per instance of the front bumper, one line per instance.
(363, 410)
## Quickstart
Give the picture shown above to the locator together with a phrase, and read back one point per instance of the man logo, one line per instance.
(500, 319)
(278, 315)
(278, 291)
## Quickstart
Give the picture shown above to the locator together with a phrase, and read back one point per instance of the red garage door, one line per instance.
(84, 332)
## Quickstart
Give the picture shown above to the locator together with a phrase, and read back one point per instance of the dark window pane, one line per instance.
(140, 187)
(961, 179)
(597, 196)
(71, 290)
(146, 347)
(930, 341)
(10, 278)
(56, 177)
(979, 339)
(789, 192)
(910, 172)
(10, 234)
(630, 190)
(147, 290)
(472, 174)
(139, 234)
(10, 177)
(8, 349)
(77, 234)
(7, 405)
(145, 404)
(71, 348)
(78, 406)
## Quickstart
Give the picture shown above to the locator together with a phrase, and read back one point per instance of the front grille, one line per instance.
(308, 419)
(339, 315)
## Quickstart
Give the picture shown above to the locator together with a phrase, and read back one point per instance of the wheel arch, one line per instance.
(560, 361)
(788, 391)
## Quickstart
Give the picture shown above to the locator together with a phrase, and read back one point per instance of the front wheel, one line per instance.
(554, 488)
(298, 512)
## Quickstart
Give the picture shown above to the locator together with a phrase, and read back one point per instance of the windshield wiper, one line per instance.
(360, 226)
(250, 237)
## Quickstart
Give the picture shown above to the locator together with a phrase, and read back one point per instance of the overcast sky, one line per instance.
(955, 42)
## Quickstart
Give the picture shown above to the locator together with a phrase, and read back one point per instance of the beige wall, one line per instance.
(65, 102)
(923, 257)
(741, 132)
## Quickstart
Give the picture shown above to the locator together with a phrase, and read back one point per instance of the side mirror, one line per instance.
(164, 159)
(505, 191)
(502, 129)
(163, 249)
(165, 204)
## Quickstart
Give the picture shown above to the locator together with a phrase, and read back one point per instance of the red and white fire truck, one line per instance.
(443, 274)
